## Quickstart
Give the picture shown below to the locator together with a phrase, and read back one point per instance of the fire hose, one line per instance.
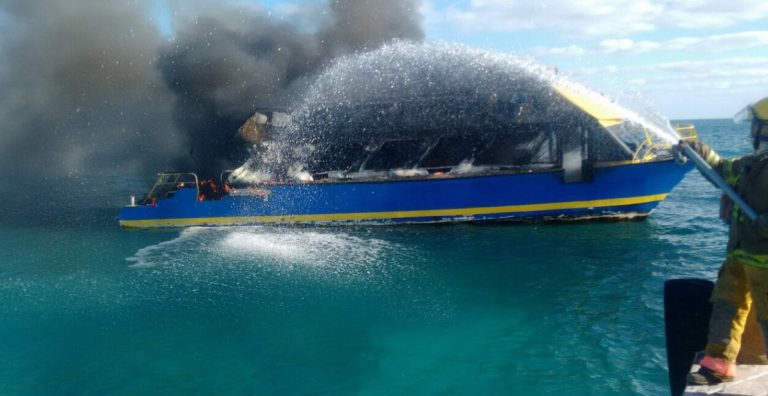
(718, 181)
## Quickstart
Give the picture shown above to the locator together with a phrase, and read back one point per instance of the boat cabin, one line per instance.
(483, 142)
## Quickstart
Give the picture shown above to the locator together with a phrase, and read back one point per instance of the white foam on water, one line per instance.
(245, 251)
(305, 247)
(162, 252)
(268, 246)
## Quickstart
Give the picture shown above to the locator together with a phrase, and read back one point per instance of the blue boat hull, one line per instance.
(620, 191)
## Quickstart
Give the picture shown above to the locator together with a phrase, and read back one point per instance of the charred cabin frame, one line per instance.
(521, 132)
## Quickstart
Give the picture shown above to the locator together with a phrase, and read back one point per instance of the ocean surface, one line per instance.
(87, 308)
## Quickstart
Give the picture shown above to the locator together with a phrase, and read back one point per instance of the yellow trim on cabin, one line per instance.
(321, 218)
(606, 114)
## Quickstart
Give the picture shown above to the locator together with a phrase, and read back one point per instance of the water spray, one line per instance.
(408, 90)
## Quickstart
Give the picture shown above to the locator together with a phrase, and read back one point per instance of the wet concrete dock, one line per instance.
(752, 380)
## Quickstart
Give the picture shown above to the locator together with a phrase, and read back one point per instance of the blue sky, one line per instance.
(684, 58)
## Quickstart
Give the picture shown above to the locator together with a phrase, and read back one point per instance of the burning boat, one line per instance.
(585, 163)
(431, 133)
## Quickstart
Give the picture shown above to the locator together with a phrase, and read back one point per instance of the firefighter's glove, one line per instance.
(677, 153)
(700, 148)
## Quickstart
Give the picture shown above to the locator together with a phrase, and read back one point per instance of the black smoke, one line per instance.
(92, 87)
(79, 89)
(228, 64)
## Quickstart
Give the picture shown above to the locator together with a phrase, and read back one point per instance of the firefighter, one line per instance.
(743, 280)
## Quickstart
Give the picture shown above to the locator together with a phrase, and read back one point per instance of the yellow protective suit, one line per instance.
(743, 280)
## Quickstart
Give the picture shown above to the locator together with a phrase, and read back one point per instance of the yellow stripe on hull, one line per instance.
(339, 217)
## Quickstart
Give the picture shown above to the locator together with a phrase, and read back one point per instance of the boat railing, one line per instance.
(224, 176)
(168, 183)
(686, 131)
(647, 148)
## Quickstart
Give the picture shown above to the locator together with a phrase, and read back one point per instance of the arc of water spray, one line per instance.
(718, 181)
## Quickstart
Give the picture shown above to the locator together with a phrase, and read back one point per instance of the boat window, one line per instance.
(605, 148)
(521, 148)
(343, 157)
(452, 150)
(630, 133)
(397, 154)
(616, 143)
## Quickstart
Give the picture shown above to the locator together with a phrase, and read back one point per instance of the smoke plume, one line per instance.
(89, 87)
(229, 63)
(79, 89)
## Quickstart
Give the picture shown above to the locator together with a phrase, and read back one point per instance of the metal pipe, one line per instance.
(718, 181)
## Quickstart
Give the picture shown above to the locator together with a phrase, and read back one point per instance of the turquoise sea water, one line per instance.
(89, 309)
